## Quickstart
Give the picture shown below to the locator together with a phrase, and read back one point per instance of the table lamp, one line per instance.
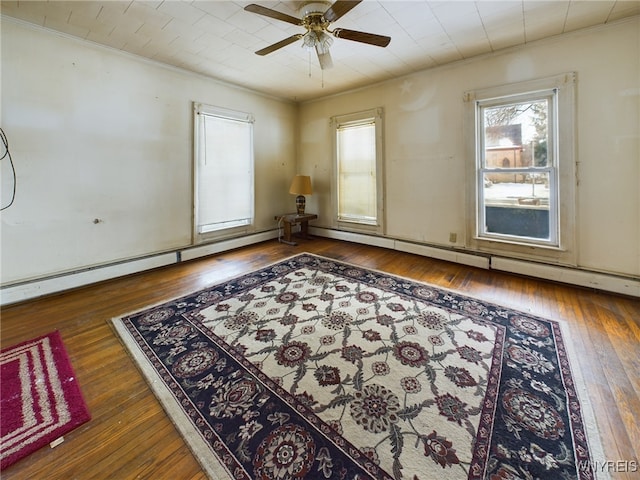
(300, 186)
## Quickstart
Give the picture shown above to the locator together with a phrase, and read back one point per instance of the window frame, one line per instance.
(375, 117)
(560, 247)
(234, 228)
(551, 97)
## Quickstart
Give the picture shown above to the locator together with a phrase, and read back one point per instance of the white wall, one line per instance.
(96, 134)
(425, 151)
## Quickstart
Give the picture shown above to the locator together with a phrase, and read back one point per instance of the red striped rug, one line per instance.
(40, 397)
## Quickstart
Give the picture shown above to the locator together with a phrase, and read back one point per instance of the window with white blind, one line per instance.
(358, 170)
(223, 148)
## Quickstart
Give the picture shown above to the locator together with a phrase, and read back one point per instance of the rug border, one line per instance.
(191, 436)
(178, 417)
(199, 446)
(594, 437)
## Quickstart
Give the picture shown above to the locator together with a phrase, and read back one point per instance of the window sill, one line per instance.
(526, 251)
(359, 227)
(518, 244)
(223, 234)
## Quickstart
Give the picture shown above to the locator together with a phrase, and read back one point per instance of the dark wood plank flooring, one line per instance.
(130, 436)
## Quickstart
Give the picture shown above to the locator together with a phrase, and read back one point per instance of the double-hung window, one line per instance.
(358, 170)
(518, 168)
(223, 182)
(522, 180)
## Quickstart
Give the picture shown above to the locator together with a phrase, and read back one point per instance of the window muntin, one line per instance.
(517, 174)
(224, 180)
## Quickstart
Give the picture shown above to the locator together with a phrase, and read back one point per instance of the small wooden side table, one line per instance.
(291, 219)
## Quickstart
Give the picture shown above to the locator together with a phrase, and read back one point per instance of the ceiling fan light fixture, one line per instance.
(324, 42)
(316, 40)
(309, 40)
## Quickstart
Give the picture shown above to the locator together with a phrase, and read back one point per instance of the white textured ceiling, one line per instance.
(219, 38)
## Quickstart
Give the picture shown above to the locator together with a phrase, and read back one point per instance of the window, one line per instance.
(522, 182)
(358, 170)
(223, 171)
(517, 169)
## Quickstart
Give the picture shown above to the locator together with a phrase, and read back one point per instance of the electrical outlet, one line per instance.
(453, 237)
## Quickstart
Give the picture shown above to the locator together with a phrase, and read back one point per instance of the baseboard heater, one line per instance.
(450, 255)
(27, 290)
(573, 276)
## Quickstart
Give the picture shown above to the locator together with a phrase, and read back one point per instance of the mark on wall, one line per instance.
(415, 99)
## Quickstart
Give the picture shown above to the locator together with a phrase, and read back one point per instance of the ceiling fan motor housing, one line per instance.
(313, 8)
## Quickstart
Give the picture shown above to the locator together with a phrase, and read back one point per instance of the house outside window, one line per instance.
(521, 148)
(224, 178)
(358, 191)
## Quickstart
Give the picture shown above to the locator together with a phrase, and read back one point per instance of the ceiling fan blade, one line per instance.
(267, 12)
(339, 8)
(280, 44)
(325, 59)
(362, 37)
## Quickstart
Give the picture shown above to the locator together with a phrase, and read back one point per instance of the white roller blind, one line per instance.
(224, 172)
(357, 198)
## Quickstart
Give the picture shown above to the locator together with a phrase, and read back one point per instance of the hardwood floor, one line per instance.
(130, 437)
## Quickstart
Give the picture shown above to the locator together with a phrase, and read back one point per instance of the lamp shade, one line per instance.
(301, 185)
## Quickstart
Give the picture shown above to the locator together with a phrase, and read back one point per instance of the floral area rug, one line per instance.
(40, 399)
(313, 368)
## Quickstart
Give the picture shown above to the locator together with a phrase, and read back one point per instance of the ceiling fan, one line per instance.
(316, 18)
